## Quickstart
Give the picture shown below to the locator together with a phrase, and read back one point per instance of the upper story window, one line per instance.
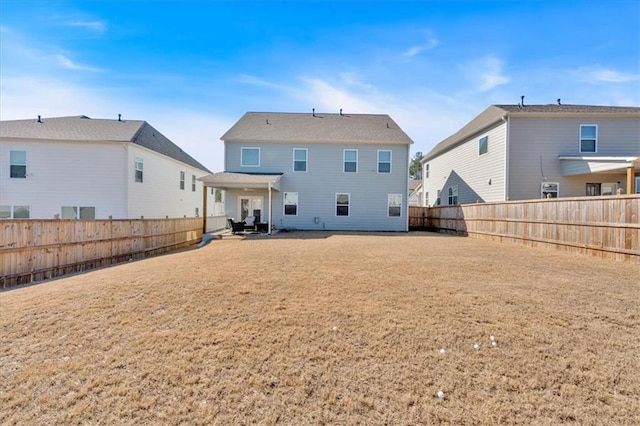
(350, 159)
(250, 157)
(342, 204)
(453, 195)
(588, 138)
(18, 164)
(138, 165)
(394, 205)
(193, 183)
(181, 180)
(483, 145)
(300, 159)
(291, 204)
(426, 171)
(384, 161)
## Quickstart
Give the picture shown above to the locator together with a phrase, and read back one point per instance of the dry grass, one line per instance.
(241, 332)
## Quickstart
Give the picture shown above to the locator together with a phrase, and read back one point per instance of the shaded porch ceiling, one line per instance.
(580, 165)
(231, 180)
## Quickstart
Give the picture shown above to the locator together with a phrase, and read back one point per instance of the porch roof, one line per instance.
(232, 180)
(580, 165)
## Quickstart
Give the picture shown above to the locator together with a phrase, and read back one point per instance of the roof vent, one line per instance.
(522, 100)
(39, 119)
(387, 125)
(559, 101)
(340, 111)
(119, 117)
(313, 112)
(267, 121)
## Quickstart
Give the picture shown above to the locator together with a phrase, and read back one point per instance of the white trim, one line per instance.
(587, 158)
(335, 204)
(242, 156)
(580, 138)
(306, 160)
(284, 203)
(344, 159)
(389, 203)
(479, 139)
(26, 163)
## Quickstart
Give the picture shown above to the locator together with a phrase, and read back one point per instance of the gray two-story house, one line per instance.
(316, 171)
(517, 152)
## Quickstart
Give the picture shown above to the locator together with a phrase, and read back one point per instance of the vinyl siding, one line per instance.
(80, 174)
(536, 144)
(324, 178)
(463, 167)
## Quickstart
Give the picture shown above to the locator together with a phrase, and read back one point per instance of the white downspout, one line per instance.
(505, 118)
(270, 209)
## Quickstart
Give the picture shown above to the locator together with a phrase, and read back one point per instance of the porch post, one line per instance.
(631, 180)
(204, 208)
(270, 208)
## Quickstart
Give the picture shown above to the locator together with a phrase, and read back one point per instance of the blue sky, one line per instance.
(192, 68)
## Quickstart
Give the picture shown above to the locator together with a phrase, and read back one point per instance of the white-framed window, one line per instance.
(438, 200)
(426, 171)
(350, 160)
(74, 212)
(250, 157)
(588, 138)
(550, 189)
(197, 211)
(394, 205)
(290, 201)
(453, 195)
(138, 167)
(483, 145)
(182, 177)
(342, 204)
(193, 183)
(217, 195)
(300, 159)
(384, 161)
(17, 164)
(426, 199)
(14, 212)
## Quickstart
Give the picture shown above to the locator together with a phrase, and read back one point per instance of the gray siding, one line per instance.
(536, 143)
(324, 178)
(462, 166)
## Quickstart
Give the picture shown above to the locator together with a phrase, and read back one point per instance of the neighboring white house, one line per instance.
(79, 167)
(316, 171)
(415, 192)
(515, 152)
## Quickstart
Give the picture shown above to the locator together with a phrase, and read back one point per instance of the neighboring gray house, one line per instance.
(514, 152)
(84, 168)
(316, 171)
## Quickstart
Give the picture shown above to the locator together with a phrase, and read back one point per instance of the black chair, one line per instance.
(236, 226)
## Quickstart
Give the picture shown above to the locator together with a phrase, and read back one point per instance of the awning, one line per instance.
(581, 165)
(230, 180)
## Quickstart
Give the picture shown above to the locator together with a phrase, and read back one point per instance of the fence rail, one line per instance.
(600, 226)
(33, 250)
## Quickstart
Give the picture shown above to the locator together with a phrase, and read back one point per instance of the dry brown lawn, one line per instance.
(242, 332)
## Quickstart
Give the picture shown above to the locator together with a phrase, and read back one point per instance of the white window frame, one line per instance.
(348, 204)
(137, 161)
(11, 164)
(182, 179)
(486, 138)
(595, 141)
(78, 212)
(452, 198)
(13, 212)
(393, 198)
(426, 199)
(344, 160)
(288, 201)
(306, 160)
(542, 189)
(193, 183)
(426, 171)
(380, 162)
(246, 148)
(439, 197)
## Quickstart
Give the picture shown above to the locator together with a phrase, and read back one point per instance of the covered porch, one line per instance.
(628, 167)
(248, 196)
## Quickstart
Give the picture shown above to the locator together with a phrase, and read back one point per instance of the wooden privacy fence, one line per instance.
(600, 226)
(32, 250)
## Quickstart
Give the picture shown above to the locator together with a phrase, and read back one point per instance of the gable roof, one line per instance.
(316, 128)
(83, 128)
(495, 113)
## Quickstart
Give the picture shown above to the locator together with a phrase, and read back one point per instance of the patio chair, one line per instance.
(236, 226)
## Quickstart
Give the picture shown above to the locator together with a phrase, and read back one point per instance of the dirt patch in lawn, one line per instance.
(321, 328)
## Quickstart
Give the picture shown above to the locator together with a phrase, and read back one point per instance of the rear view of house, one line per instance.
(516, 152)
(83, 168)
(316, 171)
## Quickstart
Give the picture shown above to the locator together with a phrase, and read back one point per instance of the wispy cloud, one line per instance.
(414, 50)
(486, 73)
(96, 26)
(67, 63)
(603, 75)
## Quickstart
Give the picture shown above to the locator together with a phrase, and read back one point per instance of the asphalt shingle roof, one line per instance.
(318, 128)
(83, 128)
(494, 114)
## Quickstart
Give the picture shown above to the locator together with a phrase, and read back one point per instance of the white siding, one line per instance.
(536, 143)
(478, 177)
(324, 178)
(66, 174)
